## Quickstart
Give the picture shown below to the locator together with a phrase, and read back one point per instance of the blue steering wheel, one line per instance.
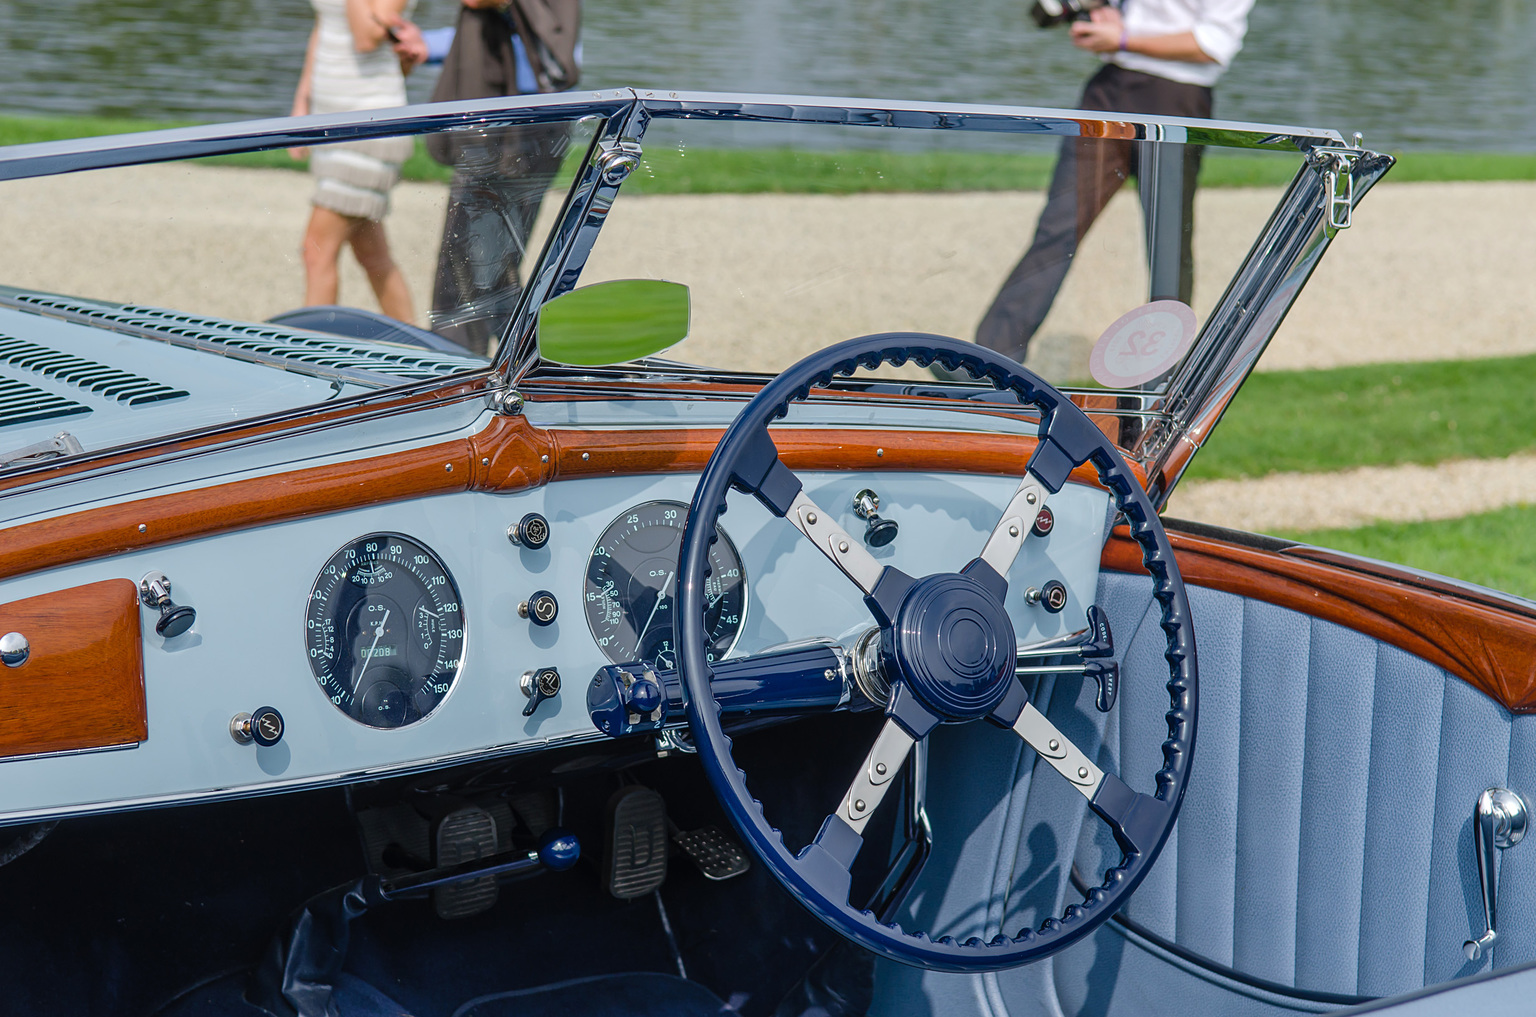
(947, 650)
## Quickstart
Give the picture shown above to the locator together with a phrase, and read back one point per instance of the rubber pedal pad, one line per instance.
(465, 835)
(717, 854)
(636, 861)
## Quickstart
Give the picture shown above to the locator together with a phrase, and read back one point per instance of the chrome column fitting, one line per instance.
(879, 532)
(155, 592)
(538, 686)
(14, 649)
(1498, 823)
(532, 531)
(264, 726)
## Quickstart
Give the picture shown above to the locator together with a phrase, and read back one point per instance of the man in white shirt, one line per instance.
(1162, 58)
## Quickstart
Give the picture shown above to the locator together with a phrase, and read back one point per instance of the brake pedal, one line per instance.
(465, 835)
(637, 843)
(717, 854)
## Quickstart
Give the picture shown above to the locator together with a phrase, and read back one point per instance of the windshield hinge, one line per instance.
(616, 160)
(1337, 166)
(61, 444)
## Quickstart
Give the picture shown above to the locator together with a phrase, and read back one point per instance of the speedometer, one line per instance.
(385, 630)
(631, 588)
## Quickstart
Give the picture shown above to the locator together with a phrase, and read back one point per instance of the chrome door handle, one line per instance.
(1498, 822)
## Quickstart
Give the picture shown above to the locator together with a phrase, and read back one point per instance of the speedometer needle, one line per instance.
(660, 596)
(378, 634)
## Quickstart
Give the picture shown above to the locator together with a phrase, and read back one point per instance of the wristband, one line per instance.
(1124, 39)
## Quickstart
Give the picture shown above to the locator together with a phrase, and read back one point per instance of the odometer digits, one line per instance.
(385, 630)
(631, 587)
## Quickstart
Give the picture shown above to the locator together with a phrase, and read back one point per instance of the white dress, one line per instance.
(354, 178)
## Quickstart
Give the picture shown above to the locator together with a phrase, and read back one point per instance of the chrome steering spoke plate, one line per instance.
(875, 777)
(849, 555)
(1018, 520)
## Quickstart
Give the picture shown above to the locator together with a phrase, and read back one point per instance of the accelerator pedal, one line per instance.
(465, 835)
(717, 854)
(636, 859)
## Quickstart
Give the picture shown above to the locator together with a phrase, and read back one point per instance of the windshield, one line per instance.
(311, 275)
(792, 236)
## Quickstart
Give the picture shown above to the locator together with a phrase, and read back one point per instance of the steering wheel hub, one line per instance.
(953, 645)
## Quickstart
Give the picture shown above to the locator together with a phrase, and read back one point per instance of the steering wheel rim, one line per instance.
(818, 876)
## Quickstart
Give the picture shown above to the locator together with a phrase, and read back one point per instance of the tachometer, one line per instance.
(385, 630)
(631, 588)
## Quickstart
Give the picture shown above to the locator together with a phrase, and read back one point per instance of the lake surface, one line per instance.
(1453, 74)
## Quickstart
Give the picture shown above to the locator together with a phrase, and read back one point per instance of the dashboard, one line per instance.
(407, 635)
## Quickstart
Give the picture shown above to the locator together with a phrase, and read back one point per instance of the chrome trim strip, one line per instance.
(71, 752)
(50, 157)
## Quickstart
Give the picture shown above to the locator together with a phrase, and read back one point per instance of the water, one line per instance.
(1449, 74)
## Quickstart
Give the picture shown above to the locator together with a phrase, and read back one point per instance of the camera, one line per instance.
(1050, 13)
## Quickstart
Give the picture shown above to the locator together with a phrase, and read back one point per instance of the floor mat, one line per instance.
(643, 994)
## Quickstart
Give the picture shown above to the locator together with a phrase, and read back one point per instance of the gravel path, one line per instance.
(1314, 501)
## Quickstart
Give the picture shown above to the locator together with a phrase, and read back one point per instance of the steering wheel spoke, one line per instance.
(1018, 518)
(850, 556)
(1058, 750)
(876, 775)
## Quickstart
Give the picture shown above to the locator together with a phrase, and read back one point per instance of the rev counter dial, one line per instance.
(631, 587)
(385, 630)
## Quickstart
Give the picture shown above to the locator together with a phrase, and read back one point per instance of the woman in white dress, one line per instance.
(351, 66)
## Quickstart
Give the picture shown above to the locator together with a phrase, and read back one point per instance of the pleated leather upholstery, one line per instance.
(1325, 842)
(1326, 837)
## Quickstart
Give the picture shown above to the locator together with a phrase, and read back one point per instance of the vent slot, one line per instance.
(318, 351)
(129, 389)
(21, 403)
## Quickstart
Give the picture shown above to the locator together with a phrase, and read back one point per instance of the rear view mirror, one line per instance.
(613, 322)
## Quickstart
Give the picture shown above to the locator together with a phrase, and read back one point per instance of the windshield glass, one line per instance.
(792, 236)
(311, 275)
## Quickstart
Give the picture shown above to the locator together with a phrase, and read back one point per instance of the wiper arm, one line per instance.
(60, 445)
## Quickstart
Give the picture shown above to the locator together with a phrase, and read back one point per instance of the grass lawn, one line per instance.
(701, 170)
(1381, 414)
(1496, 549)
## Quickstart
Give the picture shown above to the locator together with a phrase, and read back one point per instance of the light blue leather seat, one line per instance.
(1323, 856)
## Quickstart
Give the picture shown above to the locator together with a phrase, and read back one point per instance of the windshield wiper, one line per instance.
(60, 445)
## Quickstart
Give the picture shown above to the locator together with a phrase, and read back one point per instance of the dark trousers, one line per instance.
(1088, 173)
(499, 181)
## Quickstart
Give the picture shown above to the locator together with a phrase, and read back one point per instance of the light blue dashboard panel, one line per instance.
(249, 587)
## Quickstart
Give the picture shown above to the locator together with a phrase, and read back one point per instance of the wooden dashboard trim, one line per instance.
(508, 455)
(1490, 646)
(82, 686)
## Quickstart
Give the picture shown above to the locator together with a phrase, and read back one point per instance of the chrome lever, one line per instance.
(1498, 822)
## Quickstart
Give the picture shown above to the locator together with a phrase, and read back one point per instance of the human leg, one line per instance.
(323, 239)
(1088, 172)
(498, 186)
(371, 247)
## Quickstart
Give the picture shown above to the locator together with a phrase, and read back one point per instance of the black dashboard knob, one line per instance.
(532, 531)
(155, 592)
(538, 686)
(1051, 595)
(175, 619)
(541, 607)
(263, 725)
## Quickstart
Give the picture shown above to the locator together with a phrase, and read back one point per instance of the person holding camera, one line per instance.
(1161, 58)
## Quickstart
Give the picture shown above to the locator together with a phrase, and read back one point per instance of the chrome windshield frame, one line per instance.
(1178, 418)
